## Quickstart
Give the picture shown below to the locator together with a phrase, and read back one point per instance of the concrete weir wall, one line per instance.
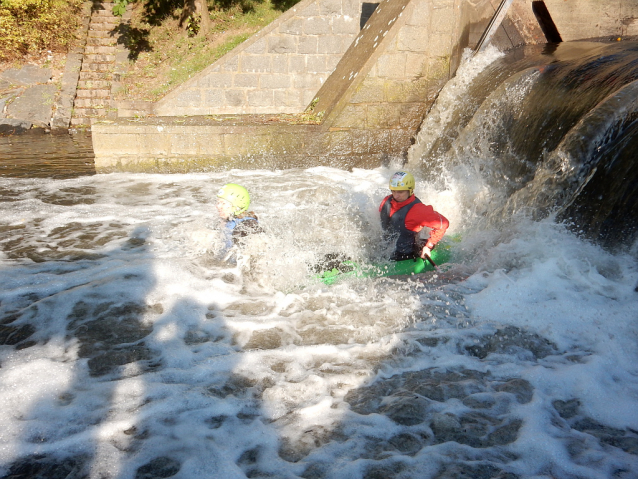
(370, 87)
(278, 70)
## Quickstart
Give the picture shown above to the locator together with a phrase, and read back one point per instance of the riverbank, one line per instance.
(38, 90)
(163, 54)
(28, 94)
(40, 56)
(154, 55)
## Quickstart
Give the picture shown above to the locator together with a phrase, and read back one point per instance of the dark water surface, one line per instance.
(37, 154)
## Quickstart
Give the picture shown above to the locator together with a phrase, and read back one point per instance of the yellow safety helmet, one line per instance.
(402, 180)
(236, 195)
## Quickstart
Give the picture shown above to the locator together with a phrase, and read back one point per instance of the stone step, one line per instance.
(83, 103)
(102, 78)
(95, 76)
(93, 84)
(104, 26)
(104, 15)
(80, 122)
(99, 50)
(101, 34)
(104, 11)
(104, 19)
(97, 67)
(109, 29)
(100, 43)
(101, 58)
(105, 41)
(93, 93)
(90, 112)
(97, 18)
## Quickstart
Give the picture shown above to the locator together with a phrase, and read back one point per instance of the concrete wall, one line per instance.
(581, 19)
(395, 84)
(399, 76)
(373, 102)
(278, 70)
(181, 144)
(282, 68)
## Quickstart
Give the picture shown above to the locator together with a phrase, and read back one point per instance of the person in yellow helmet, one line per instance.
(233, 201)
(403, 216)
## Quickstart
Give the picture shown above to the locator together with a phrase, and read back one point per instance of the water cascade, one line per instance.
(545, 130)
(129, 349)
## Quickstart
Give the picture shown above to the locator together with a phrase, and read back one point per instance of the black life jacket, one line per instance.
(238, 227)
(394, 227)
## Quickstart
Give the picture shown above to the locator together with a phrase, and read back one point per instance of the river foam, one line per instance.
(131, 350)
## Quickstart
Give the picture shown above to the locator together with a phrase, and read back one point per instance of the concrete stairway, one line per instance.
(93, 95)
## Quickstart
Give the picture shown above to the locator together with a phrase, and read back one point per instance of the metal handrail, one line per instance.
(496, 21)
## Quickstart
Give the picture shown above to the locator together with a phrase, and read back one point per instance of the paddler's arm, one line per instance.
(421, 216)
(437, 232)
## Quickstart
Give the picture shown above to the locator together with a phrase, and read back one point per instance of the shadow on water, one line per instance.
(89, 312)
(101, 380)
(80, 342)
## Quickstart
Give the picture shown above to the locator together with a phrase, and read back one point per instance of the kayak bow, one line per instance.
(348, 269)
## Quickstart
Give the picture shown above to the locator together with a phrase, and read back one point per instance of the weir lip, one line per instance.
(207, 143)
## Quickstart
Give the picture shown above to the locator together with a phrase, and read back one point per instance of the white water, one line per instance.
(440, 118)
(132, 351)
(245, 368)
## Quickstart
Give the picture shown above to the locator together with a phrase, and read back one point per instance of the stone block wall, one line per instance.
(519, 26)
(390, 88)
(412, 60)
(582, 19)
(182, 144)
(412, 64)
(374, 100)
(278, 70)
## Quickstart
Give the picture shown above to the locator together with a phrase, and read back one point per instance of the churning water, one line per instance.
(131, 350)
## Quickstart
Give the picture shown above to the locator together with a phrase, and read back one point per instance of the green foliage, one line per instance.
(163, 56)
(310, 115)
(192, 25)
(184, 66)
(119, 7)
(33, 26)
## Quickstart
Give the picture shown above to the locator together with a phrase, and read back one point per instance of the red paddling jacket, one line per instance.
(403, 221)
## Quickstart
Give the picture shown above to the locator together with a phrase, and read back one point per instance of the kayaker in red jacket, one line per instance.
(403, 216)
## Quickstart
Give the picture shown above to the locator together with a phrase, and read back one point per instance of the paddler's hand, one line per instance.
(425, 253)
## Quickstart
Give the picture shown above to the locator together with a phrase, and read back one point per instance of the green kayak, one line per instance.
(348, 269)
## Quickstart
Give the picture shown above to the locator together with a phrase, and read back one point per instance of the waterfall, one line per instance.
(542, 131)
